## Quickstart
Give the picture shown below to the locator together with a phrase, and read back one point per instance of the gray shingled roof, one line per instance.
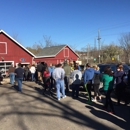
(50, 51)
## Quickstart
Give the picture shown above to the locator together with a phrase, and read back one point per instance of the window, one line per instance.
(3, 48)
(4, 66)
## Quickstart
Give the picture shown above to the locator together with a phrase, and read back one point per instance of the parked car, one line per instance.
(126, 68)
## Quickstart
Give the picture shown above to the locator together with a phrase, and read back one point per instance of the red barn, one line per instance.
(56, 54)
(12, 52)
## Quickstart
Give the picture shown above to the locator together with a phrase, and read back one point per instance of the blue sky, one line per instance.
(72, 22)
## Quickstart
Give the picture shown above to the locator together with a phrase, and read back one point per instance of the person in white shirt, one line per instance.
(76, 76)
(32, 70)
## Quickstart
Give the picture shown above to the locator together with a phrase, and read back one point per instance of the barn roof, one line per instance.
(51, 51)
(1, 31)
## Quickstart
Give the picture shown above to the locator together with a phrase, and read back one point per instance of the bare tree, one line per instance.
(48, 41)
(125, 44)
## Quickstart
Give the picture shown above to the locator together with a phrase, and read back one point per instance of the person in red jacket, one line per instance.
(46, 79)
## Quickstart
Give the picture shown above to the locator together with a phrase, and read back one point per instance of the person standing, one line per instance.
(11, 74)
(96, 84)
(58, 75)
(119, 74)
(88, 76)
(51, 69)
(121, 91)
(26, 72)
(128, 78)
(19, 76)
(32, 70)
(40, 71)
(46, 80)
(1, 77)
(108, 82)
(76, 76)
(67, 70)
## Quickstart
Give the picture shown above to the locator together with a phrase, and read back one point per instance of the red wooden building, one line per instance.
(56, 54)
(12, 52)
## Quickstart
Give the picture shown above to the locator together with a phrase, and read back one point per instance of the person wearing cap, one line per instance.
(87, 77)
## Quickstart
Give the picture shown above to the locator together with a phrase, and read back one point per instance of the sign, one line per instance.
(22, 60)
(94, 59)
(112, 58)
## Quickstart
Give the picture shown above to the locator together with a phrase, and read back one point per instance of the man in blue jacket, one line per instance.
(88, 76)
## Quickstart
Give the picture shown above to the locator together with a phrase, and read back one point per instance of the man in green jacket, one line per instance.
(67, 70)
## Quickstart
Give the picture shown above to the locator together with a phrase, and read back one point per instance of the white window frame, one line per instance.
(5, 47)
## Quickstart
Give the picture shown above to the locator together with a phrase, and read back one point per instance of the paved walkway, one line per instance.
(33, 111)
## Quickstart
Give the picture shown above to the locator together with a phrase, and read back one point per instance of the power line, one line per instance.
(109, 28)
(115, 25)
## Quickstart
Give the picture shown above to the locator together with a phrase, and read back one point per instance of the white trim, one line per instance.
(7, 61)
(5, 48)
(25, 63)
(18, 43)
(44, 56)
(73, 50)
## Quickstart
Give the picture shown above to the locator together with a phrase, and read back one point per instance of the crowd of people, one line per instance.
(64, 76)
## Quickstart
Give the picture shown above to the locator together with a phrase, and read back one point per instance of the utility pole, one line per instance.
(99, 44)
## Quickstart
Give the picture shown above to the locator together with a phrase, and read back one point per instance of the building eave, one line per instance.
(44, 56)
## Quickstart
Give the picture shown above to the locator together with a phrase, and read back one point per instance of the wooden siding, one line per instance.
(14, 52)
